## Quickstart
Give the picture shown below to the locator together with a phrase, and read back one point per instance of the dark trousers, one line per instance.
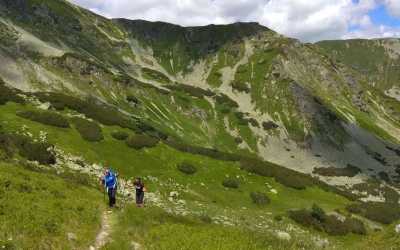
(111, 196)
(139, 198)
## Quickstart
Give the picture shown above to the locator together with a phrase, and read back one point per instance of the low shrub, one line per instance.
(27, 148)
(45, 117)
(91, 108)
(212, 153)
(151, 74)
(240, 86)
(269, 125)
(89, 131)
(278, 217)
(356, 226)
(391, 195)
(141, 141)
(187, 168)
(349, 171)
(206, 218)
(132, 99)
(285, 176)
(238, 140)
(384, 213)
(331, 224)
(231, 183)
(384, 176)
(318, 213)
(223, 99)
(259, 198)
(120, 135)
(254, 122)
(193, 91)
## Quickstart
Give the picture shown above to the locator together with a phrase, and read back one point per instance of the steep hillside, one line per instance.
(254, 112)
(378, 60)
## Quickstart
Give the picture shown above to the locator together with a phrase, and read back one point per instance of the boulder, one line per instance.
(283, 235)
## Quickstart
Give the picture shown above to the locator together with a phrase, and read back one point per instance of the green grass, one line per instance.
(155, 229)
(39, 209)
(147, 226)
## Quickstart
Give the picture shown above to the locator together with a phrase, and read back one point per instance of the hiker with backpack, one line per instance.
(140, 189)
(109, 182)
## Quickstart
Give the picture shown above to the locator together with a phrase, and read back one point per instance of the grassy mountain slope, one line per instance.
(254, 113)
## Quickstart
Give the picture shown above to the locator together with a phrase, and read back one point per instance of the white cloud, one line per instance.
(303, 19)
(393, 6)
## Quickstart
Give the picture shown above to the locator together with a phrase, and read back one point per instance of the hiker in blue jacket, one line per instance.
(109, 180)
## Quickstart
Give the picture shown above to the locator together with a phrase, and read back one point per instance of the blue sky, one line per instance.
(307, 20)
(380, 16)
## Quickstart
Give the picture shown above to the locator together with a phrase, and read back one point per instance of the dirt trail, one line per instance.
(103, 236)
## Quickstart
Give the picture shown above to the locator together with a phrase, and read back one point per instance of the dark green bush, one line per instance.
(332, 225)
(278, 217)
(356, 226)
(231, 183)
(155, 75)
(187, 168)
(212, 153)
(349, 171)
(285, 176)
(132, 99)
(384, 213)
(141, 141)
(240, 86)
(89, 131)
(45, 117)
(269, 125)
(254, 122)
(206, 219)
(238, 140)
(193, 91)
(259, 198)
(120, 135)
(384, 176)
(318, 213)
(223, 99)
(91, 108)
(27, 148)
